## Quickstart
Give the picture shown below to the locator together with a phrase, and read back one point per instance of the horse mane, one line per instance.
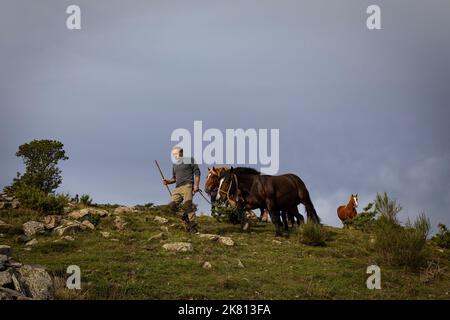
(246, 170)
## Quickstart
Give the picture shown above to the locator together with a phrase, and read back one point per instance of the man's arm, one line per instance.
(197, 177)
(171, 180)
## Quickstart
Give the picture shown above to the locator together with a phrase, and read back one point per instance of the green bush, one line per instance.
(402, 246)
(387, 208)
(442, 239)
(85, 200)
(313, 234)
(228, 214)
(35, 199)
(363, 221)
(92, 218)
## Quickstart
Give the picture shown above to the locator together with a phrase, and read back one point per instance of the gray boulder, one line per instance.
(36, 282)
(5, 250)
(178, 246)
(32, 228)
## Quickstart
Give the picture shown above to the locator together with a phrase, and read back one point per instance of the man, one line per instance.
(183, 172)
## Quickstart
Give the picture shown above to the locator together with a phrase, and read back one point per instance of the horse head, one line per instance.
(354, 199)
(228, 187)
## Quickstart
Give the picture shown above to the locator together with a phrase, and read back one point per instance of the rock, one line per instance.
(5, 279)
(240, 264)
(158, 236)
(178, 246)
(78, 214)
(119, 223)
(5, 250)
(52, 222)
(32, 228)
(226, 241)
(68, 228)
(123, 210)
(276, 241)
(208, 236)
(69, 238)
(9, 294)
(31, 243)
(161, 220)
(88, 224)
(4, 227)
(3, 258)
(23, 239)
(105, 234)
(37, 282)
(164, 229)
(207, 265)
(15, 204)
(115, 240)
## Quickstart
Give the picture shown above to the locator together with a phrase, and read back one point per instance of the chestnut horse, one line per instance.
(349, 211)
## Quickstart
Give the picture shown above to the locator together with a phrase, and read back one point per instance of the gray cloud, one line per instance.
(358, 111)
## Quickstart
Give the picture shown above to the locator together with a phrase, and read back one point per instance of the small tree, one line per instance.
(41, 172)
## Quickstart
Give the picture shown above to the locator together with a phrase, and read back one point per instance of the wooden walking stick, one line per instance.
(162, 176)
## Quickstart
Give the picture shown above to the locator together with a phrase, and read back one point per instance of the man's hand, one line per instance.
(195, 189)
(165, 182)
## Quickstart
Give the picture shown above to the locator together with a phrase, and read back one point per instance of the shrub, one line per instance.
(35, 199)
(387, 208)
(364, 221)
(442, 239)
(92, 218)
(313, 234)
(402, 246)
(228, 214)
(85, 200)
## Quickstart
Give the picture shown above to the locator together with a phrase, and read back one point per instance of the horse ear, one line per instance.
(209, 169)
(214, 169)
(231, 169)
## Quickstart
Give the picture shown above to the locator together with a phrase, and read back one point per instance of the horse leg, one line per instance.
(297, 215)
(275, 217)
(284, 217)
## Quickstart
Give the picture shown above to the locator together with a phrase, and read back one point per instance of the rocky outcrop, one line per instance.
(161, 220)
(23, 282)
(178, 246)
(68, 227)
(124, 210)
(215, 237)
(51, 222)
(78, 214)
(119, 223)
(32, 228)
(8, 202)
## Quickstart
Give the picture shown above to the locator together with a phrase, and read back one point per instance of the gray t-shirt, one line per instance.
(184, 171)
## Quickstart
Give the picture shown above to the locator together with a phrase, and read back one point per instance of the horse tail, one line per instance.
(310, 210)
(303, 194)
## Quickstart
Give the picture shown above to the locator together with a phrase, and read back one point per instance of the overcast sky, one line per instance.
(359, 111)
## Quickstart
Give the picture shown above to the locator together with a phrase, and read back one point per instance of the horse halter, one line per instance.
(227, 193)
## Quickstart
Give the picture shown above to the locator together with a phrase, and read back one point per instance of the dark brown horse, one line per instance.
(349, 211)
(212, 186)
(275, 193)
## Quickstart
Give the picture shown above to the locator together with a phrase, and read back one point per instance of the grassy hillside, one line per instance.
(128, 265)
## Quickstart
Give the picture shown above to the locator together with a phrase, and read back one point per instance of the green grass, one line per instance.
(135, 268)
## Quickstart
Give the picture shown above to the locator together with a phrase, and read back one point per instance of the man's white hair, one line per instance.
(177, 148)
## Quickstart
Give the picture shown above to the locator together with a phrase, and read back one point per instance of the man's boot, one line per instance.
(189, 220)
(173, 207)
